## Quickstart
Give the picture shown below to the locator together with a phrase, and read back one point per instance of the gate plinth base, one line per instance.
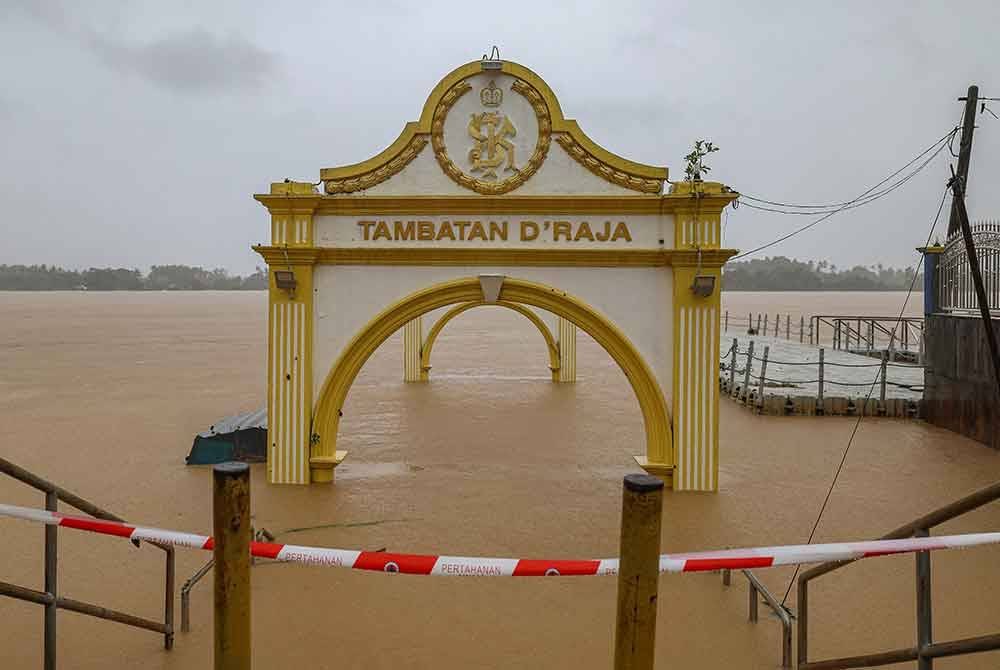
(321, 467)
(664, 471)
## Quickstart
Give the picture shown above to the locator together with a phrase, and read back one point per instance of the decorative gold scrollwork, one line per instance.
(521, 175)
(605, 171)
(379, 175)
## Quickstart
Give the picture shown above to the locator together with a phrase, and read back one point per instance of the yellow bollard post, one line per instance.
(638, 572)
(231, 530)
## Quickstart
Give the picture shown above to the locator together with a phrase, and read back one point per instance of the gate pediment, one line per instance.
(494, 132)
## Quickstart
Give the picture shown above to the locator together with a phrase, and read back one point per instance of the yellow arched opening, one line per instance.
(428, 345)
(326, 420)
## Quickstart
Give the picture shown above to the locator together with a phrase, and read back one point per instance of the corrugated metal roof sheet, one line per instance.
(256, 419)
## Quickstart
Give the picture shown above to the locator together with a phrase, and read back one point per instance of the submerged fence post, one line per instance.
(51, 579)
(638, 572)
(811, 331)
(764, 332)
(746, 374)
(758, 323)
(788, 326)
(924, 619)
(802, 329)
(819, 395)
(732, 367)
(777, 324)
(231, 528)
(881, 393)
(726, 329)
(763, 371)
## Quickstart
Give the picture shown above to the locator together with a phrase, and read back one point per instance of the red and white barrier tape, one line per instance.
(416, 564)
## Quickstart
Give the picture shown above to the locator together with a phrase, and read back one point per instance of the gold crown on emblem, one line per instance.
(491, 95)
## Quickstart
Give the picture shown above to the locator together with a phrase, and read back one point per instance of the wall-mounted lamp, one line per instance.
(285, 279)
(703, 285)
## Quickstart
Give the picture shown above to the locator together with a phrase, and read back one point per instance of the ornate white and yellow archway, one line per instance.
(493, 180)
(656, 418)
(427, 345)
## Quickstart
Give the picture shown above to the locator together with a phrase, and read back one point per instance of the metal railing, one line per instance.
(902, 338)
(262, 535)
(955, 289)
(756, 591)
(867, 334)
(925, 650)
(50, 597)
(748, 385)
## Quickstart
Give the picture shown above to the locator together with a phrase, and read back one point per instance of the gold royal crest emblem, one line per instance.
(490, 132)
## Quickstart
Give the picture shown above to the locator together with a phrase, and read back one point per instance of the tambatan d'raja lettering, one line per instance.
(493, 231)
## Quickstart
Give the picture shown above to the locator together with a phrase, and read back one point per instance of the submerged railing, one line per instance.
(956, 291)
(50, 598)
(749, 383)
(925, 650)
(871, 335)
(757, 591)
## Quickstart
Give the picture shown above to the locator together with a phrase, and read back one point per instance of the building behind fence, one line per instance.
(960, 392)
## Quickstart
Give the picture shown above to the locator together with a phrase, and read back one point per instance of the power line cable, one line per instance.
(939, 145)
(871, 389)
(833, 205)
(859, 202)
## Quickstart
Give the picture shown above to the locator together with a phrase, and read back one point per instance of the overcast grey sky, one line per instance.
(135, 133)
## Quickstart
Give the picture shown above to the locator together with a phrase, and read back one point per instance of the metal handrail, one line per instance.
(841, 324)
(784, 616)
(925, 650)
(261, 535)
(50, 597)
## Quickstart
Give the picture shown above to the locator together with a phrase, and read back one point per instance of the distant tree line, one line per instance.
(784, 274)
(160, 278)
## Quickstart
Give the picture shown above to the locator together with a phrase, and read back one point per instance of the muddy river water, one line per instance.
(103, 392)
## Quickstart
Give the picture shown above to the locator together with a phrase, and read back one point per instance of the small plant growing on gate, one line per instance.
(696, 160)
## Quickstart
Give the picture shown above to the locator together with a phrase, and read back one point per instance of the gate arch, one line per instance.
(326, 419)
(428, 344)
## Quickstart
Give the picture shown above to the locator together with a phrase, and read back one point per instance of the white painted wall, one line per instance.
(638, 300)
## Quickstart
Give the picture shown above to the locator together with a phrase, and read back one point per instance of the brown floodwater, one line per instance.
(103, 393)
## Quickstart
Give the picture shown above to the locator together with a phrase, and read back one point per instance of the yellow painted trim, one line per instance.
(685, 390)
(550, 341)
(392, 162)
(588, 155)
(477, 256)
(410, 131)
(354, 205)
(322, 467)
(292, 188)
(413, 130)
(567, 352)
(656, 416)
(276, 415)
(664, 471)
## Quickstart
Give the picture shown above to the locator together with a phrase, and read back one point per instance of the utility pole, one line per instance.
(964, 152)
